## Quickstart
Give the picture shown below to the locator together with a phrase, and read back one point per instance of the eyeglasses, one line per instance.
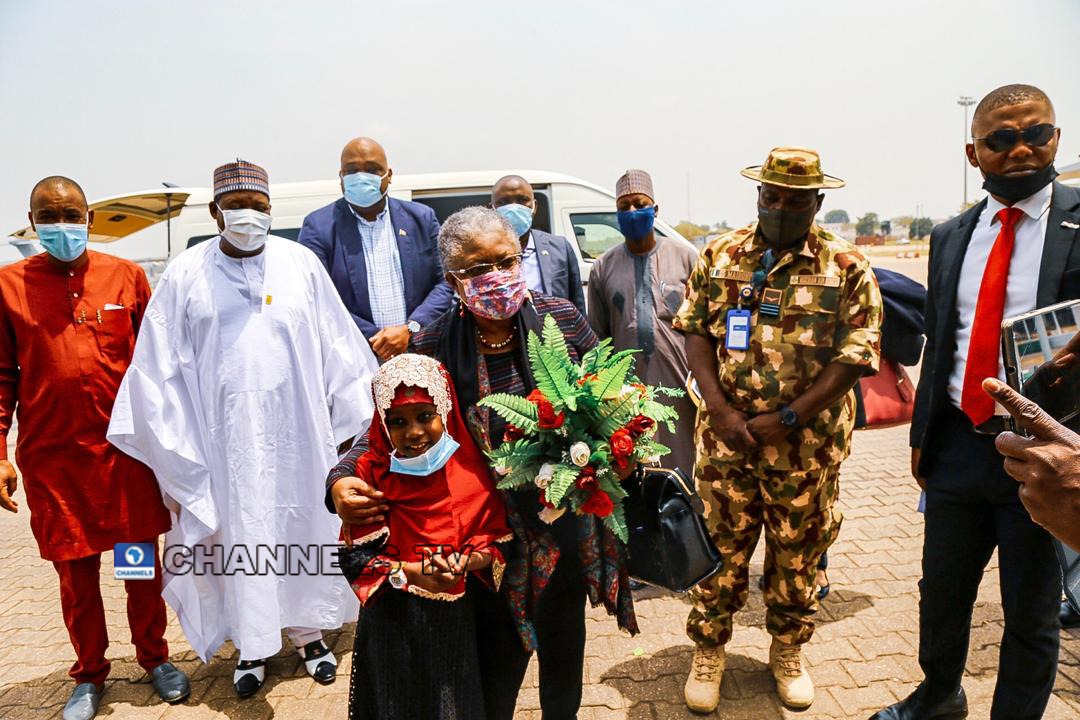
(508, 263)
(1007, 138)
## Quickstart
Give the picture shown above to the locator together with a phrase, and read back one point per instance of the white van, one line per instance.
(125, 224)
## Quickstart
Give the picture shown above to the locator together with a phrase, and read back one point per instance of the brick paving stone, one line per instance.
(862, 656)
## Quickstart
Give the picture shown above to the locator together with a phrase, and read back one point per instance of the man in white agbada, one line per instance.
(248, 374)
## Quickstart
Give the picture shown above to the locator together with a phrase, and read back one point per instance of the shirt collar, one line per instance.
(381, 216)
(1034, 206)
(530, 245)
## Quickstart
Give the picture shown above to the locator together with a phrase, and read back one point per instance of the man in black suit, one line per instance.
(549, 263)
(1016, 250)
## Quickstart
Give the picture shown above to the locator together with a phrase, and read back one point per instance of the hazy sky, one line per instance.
(123, 95)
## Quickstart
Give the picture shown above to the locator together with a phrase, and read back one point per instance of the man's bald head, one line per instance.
(60, 183)
(1005, 96)
(363, 154)
(512, 189)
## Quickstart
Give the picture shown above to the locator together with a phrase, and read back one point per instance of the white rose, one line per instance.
(550, 515)
(502, 471)
(543, 477)
(579, 453)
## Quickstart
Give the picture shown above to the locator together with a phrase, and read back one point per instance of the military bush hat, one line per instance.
(792, 167)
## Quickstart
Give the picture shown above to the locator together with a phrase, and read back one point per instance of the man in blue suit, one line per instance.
(549, 263)
(382, 254)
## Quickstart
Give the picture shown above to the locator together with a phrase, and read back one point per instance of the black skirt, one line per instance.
(415, 659)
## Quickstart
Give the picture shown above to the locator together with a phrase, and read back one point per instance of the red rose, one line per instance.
(544, 500)
(640, 425)
(622, 446)
(548, 420)
(598, 504)
(587, 479)
(513, 433)
(587, 378)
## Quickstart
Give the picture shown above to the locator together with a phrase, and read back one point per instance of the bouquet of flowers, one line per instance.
(581, 425)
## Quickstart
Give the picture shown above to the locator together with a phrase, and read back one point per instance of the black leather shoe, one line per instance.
(249, 677)
(918, 706)
(319, 662)
(1069, 617)
(171, 684)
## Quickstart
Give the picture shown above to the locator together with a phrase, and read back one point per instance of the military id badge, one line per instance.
(737, 336)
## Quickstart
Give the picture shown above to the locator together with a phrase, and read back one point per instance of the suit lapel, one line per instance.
(952, 260)
(1064, 212)
(404, 230)
(352, 248)
(543, 257)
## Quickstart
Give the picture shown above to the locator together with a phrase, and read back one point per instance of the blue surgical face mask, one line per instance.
(363, 189)
(434, 459)
(64, 241)
(520, 217)
(637, 224)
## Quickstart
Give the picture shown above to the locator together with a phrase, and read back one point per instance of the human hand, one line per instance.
(433, 574)
(357, 502)
(468, 561)
(916, 456)
(9, 482)
(390, 341)
(767, 429)
(730, 426)
(1047, 465)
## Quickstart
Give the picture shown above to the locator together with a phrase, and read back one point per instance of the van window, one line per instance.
(290, 233)
(598, 232)
(446, 204)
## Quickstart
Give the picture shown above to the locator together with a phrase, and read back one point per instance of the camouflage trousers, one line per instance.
(797, 511)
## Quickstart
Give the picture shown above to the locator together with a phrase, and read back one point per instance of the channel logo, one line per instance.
(133, 561)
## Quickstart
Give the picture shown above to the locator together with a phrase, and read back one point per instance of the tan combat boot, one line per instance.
(793, 683)
(703, 685)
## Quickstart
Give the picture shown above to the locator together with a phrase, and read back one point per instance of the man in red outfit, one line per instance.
(68, 321)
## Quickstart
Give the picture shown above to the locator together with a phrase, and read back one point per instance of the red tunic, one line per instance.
(66, 339)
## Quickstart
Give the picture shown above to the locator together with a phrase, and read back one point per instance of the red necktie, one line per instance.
(984, 349)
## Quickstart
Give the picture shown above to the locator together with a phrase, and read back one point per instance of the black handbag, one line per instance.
(668, 545)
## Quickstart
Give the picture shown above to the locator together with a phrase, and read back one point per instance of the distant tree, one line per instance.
(903, 220)
(721, 226)
(921, 227)
(867, 224)
(837, 216)
(690, 231)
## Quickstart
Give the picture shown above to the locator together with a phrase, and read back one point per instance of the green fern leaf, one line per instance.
(611, 379)
(562, 481)
(514, 409)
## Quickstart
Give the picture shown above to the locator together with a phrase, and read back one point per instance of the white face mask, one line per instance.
(245, 229)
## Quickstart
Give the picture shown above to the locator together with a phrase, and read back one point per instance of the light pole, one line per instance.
(965, 101)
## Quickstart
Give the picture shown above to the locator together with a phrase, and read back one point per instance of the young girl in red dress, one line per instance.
(417, 570)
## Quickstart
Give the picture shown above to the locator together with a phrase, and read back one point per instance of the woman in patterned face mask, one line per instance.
(541, 604)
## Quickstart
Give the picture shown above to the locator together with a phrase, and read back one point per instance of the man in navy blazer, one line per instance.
(549, 263)
(382, 254)
(1015, 251)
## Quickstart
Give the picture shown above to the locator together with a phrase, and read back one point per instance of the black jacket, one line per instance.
(1059, 280)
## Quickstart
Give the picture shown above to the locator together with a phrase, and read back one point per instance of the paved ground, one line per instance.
(862, 657)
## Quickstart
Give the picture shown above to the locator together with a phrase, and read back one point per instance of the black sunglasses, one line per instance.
(1006, 139)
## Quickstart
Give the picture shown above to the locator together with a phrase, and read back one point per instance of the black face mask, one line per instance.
(1015, 189)
(785, 229)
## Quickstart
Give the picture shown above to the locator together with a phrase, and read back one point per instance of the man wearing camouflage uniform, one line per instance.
(781, 320)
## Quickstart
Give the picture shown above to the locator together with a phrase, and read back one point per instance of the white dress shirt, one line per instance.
(1020, 292)
(386, 288)
(530, 266)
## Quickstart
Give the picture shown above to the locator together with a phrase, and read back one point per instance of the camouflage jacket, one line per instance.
(829, 311)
